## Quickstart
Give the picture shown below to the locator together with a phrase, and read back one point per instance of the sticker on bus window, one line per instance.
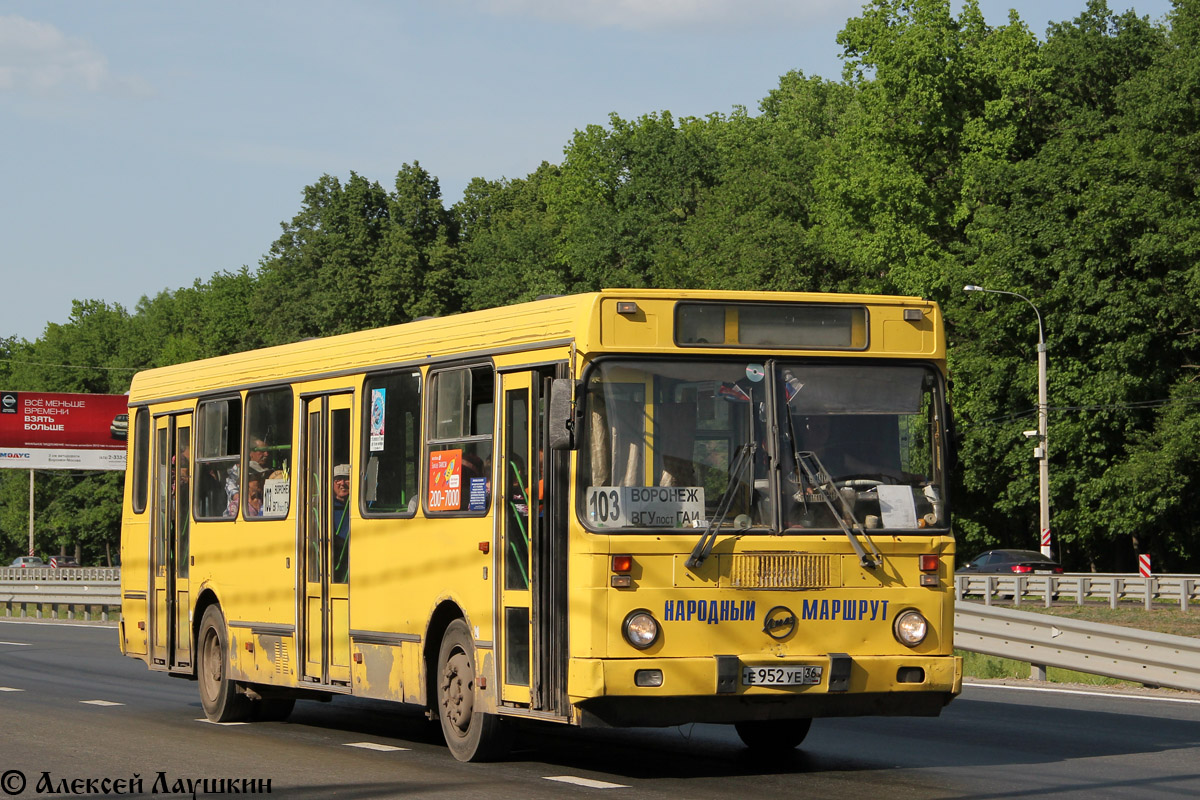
(445, 480)
(378, 413)
(645, 506)
(276, 493)
(896, 506)
(477, 494)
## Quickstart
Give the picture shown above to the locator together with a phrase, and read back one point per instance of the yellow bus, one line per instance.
(624, 508)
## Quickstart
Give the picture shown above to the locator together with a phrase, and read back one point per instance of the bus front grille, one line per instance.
(781, 571)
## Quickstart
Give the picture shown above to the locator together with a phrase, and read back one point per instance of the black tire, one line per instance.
(273, 709)
(471, 735)
(218, 694)
(773, 736)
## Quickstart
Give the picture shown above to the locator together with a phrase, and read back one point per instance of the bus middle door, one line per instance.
(325, 539)
(531, 590)
(517, 508)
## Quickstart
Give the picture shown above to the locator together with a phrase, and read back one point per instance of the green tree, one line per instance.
(1067, 226)
(754, 227)
(622, 197)
(508, 241)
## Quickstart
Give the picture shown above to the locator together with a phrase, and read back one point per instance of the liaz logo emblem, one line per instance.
(779, 623)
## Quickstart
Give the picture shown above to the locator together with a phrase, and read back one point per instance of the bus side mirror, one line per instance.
(562, 424)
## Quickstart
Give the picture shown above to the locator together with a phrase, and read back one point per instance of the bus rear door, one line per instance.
(170, 632)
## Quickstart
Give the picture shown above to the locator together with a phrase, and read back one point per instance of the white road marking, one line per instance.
(210, 722)
(100, 703)
(10, 689)
(382, 748)
(588, 782)
(18, 644)
(1082, 692)
(96, 625)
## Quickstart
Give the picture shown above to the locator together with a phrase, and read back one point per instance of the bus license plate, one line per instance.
(800, 675)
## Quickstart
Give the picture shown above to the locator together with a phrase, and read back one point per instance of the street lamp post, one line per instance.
(1041, 452)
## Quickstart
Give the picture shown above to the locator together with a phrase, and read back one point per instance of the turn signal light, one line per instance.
(621, 567)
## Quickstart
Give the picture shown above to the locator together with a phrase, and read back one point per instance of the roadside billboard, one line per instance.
(51, 430)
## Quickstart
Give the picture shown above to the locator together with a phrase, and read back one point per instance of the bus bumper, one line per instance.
(700, 689)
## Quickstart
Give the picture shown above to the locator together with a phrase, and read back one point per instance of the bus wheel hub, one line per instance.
(458, 691)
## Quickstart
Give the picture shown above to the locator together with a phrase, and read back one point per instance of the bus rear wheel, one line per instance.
(218, 694)
(471, 734)
(773, 736)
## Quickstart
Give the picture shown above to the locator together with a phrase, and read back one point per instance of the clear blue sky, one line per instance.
(148, 144)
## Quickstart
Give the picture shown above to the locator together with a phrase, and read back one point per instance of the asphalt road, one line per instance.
(72, 709)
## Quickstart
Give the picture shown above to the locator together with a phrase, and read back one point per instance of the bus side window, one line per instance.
(269, 443)
(217, 452)
(392, 444)
(141, 459)
(460, 440)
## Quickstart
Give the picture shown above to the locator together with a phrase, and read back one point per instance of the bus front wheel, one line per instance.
(218, 694)
(773, 736)
(471, 734)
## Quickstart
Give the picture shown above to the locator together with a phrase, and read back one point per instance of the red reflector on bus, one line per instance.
(485, 547)
(622, 563)
(929, 562)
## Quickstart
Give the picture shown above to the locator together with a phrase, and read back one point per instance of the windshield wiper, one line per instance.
(700, 553)
(814, 473)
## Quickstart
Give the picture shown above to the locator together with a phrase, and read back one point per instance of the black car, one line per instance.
(1021, 562)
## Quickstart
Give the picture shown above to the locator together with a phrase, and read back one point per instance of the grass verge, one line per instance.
(982, 667)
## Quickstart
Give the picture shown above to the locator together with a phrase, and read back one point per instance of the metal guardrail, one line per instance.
(60, 574)
(55, 591)
(1155, 659)
(1080, 588)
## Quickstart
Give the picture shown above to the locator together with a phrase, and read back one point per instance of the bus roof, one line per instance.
(554, 321)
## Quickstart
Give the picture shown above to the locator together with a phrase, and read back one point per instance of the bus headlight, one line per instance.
(910, 627)
(640, 628)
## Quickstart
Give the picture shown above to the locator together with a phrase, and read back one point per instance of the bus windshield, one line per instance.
(782, 446)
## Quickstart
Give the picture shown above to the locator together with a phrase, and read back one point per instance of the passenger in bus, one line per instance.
(258, 455)
(256, 475)
(340, 524)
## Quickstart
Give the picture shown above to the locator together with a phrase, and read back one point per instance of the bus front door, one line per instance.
(532, 562)
(170, 631)
(324, 532)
